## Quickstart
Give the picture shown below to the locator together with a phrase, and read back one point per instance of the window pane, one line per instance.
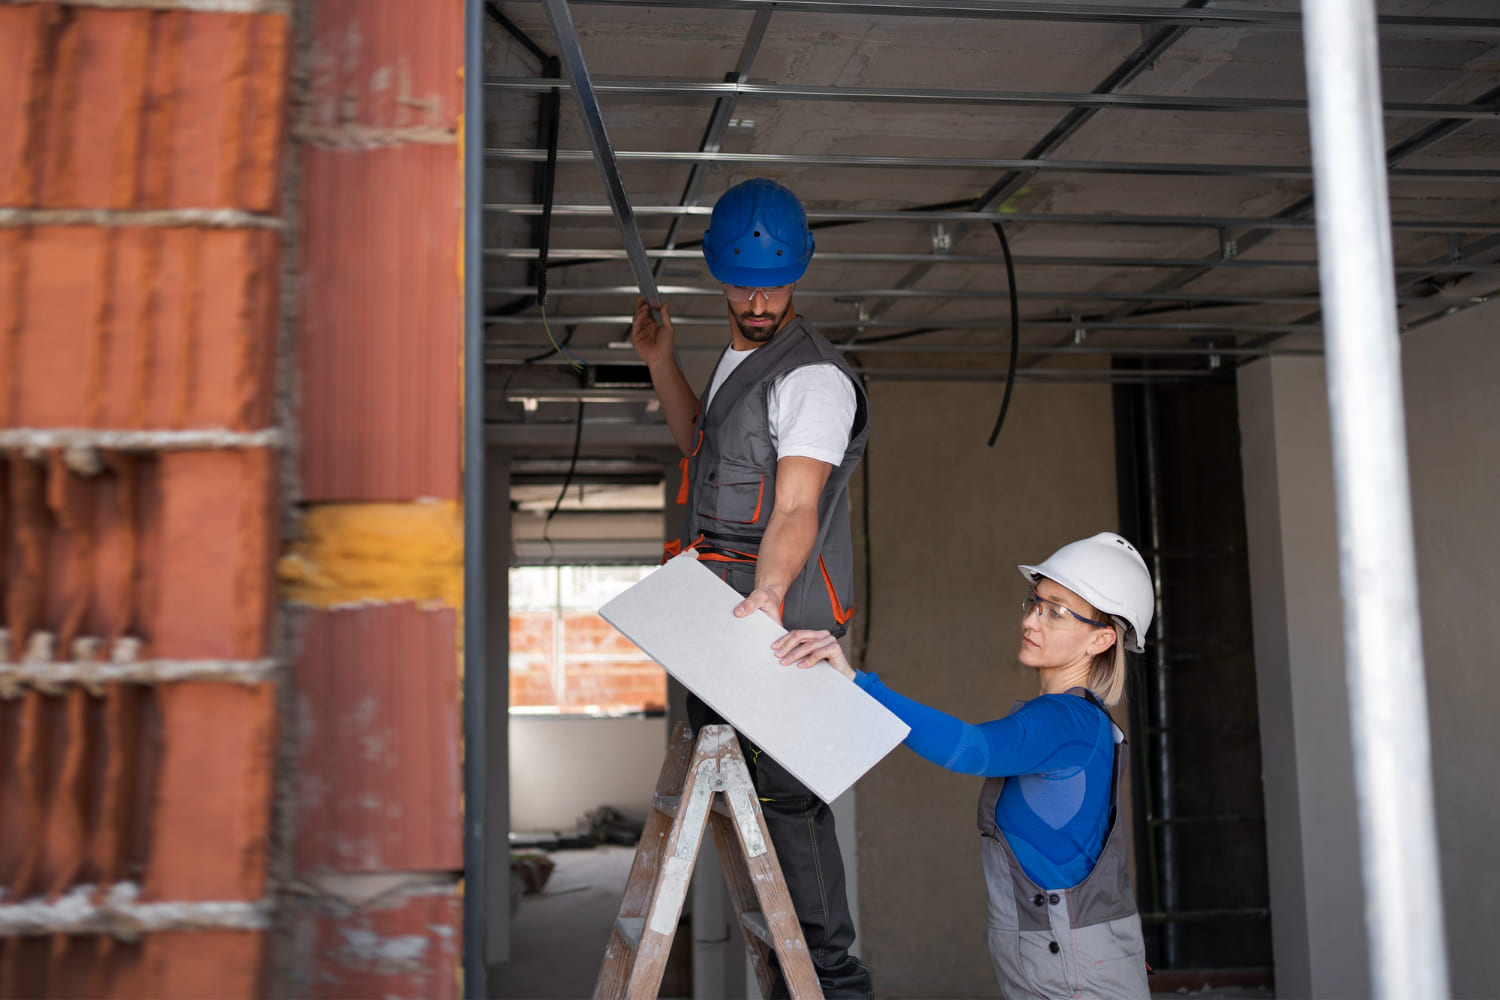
(564, 657)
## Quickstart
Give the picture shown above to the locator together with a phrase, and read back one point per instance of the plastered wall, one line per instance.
(1454, 455)
(949, 520)
(563, 768)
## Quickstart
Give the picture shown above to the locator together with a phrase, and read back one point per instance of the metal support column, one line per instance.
(561, 20)
(1164, 808)
(484, 922)
(1377, 565)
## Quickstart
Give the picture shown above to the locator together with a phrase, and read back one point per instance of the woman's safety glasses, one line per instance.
(1055, 615)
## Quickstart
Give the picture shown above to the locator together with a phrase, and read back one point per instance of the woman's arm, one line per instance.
(1041, 735)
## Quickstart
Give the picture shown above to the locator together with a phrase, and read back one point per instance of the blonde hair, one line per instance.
(1107, 669)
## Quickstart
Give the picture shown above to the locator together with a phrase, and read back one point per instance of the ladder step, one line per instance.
(754, 923)
(666, 804)
(630, 929)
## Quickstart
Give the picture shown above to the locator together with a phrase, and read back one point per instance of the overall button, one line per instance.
(1053, 899)
(1039, 900)
(1053, 947)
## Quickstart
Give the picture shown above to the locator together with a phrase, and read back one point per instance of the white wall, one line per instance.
(1312, 834)
(950, 520)
(562, 768)
(1454, 450)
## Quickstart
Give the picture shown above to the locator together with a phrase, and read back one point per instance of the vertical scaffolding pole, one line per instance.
(1377, 565)
(561, 20)
(484, 923)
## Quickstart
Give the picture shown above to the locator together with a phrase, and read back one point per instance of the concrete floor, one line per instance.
(558, 935)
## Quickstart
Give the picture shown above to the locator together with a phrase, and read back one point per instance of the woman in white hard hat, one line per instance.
(1062, 914)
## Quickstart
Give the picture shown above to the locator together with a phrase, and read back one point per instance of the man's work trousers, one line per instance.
(801, 828)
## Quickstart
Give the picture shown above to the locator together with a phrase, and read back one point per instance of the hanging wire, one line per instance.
(1015, 332)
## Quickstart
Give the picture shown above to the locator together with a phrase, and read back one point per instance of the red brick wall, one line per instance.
(140, 166)
(602, 670)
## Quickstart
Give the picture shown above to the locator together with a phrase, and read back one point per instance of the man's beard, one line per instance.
(759, 335)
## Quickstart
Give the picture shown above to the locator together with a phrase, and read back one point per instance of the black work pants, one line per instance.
(801, 828)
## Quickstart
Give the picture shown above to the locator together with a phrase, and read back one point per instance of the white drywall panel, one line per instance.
(819, 726)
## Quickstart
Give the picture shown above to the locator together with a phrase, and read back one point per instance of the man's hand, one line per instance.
(805, 647)
(760, 600)
(653, 342)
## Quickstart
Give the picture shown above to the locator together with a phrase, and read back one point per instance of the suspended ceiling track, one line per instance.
(1098, 13)
(910, 95)
(1046, 260)
(1263, 171)
(1307, 223)
(854, 294)
(718, 124)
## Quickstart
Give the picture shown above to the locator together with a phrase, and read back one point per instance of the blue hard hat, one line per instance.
(757, 236)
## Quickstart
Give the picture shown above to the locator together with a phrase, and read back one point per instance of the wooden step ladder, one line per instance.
(686, 801)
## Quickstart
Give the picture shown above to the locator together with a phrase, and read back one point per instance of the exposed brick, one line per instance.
(381, 328)
(385, 65)
(173, 964)
(23, 39)
(212, 578)
(379, 768)
(12, 274)
(210, 818)
(145, 328)
(94, 104)
(59, 340)
(406, 948)
(217, 85)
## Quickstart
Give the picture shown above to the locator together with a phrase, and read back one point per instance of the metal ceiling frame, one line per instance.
(850, 296)
(1048, 260)
(1211, 222)
(907, 95)
(528, 154)
(1031, 10)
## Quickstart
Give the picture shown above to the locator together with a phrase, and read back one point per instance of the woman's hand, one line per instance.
(805, 647)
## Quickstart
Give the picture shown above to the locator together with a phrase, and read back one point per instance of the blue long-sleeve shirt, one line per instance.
(1057, 752)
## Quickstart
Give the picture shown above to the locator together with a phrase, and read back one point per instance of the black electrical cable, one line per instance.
(1015, 332)
(514, 31)
(552, 103)
(568, 479)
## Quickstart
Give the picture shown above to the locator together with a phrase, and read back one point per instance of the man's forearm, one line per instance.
(678, 401)
(784, 548)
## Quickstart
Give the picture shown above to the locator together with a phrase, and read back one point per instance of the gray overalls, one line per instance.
(1079, 942)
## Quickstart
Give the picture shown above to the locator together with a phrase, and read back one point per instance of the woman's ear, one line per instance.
(1102, 640)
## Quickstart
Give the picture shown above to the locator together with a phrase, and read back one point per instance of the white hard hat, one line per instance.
(1110, 574)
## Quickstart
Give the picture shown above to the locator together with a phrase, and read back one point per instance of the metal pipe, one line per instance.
(664, 87)
(602, 152)
(1044, 10)
(1377, 563)
(1278, 172)
(484, 925)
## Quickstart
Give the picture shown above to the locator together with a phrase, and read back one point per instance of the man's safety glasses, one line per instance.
(1055, 615)
(744, 293)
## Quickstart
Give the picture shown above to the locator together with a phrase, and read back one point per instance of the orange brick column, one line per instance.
(377, 573)
(139, 261)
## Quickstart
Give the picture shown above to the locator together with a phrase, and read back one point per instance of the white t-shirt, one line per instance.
(810, 409)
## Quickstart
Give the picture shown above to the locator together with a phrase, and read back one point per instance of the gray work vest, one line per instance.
(1081, 942)
(730, 484)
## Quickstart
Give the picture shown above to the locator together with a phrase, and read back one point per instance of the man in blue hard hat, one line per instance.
(767, 456)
